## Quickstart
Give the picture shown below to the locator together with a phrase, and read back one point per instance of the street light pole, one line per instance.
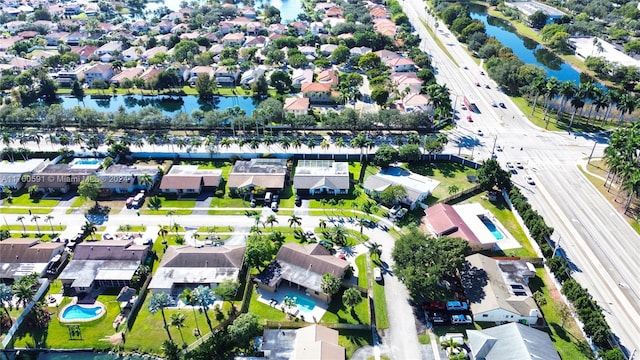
(556, 247)
(592, 150)
(495, 139)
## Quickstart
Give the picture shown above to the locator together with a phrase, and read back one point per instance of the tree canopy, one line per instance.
(491, 175)
(423, 262)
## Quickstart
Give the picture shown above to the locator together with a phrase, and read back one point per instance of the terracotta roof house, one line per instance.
(317, 92)
(317, 177)
(401, 64)
(23, 64)
(297, 106)
(467, 221)
(125, 179)
(227, 75)
(13, 175)
(106, 263)
(406, 82)
(378, 12)
(150, 74)
(130, 73)
(199, 70)
(302, 266)
(187, 266)
(98, 71)
(329, 76)
(233, 39)
(189, 180)
(418, 187)
(269, 174)
(313, 342)
(20, 257)
(415, 102)
(301, 76)
(333, 12)
(498, 290)
(85, 52)
(511, 341)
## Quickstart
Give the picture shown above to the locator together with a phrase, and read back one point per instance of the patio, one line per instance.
(276, 300)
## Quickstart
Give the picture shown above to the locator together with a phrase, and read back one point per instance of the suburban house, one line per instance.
(22, 64)
(401, 64)
(124, 179)
(98, 71)
(187, 267)
(20, 257)
(415, 102)
(269, 174)
(301, 76)
(227, 75)
(406, 83)
(109, 48)
(130, 73)
(60, 177)
(418, 187)
(302, 266)
(106, 263)
(467, 221)
(297, 106)
(189, 179)
(313, 342)
(200, 70)
(511, 341)
(498, 290)
(13, 175)
(317, 92)
(317, 177)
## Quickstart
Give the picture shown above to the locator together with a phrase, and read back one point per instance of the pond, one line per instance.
(529, 51)
(170, 105)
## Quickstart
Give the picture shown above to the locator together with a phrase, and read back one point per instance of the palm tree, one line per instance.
(24, 292)
(552, 88)
(631, 185)
(89, 228)
(566, 89)
(593, 92)
(204, 297)
(362, 222)
(188, 298)
(322, 224)
(375, 249)
(181, 143)
(163, 232)
(295, 221)
(158, 302)
(627, 104)
(339, 143)
(177, 320)
(145, 180)
(21, 219)
(577, 102)
(339, 235)
(49, 218)
(6, 295)
(226, 142)
(539, 86)
(271, 219)
(35, 219)
(296, 144)
(152, 140)
(362, 141)
(285, 143)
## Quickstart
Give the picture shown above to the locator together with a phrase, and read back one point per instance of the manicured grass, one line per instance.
(361, 263)
(78, 202)
(43, 228)
(264, 311)
(424, 339)
(352, 340)
(25, 211)
(566, 337)
(228, 212)
(24, 200)
(379, 300)
(447, 173)
(442, 47)
(215, 229)
(338, 313)
(132, 228)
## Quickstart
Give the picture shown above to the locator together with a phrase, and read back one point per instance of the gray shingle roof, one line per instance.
(511, 341)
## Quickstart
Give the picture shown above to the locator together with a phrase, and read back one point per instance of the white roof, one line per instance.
(471, 214)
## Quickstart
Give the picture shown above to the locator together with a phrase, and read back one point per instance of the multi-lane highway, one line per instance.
(602, 248)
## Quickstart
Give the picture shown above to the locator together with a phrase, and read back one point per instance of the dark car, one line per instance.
(438, 318)
(502, 105)
(434, 306)
(298, 201)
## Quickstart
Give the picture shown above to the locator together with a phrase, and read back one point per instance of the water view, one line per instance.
(170, 105)
(529, 51)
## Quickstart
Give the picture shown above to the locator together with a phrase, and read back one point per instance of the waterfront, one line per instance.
(170, 105)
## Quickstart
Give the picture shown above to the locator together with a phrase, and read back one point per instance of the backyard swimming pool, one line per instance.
(305, 305)
(492, 227)
(86, 161)
(82, 313)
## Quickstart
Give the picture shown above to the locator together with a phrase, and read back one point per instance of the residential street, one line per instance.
(599, 243)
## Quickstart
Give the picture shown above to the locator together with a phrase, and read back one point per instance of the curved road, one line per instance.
(601, 246)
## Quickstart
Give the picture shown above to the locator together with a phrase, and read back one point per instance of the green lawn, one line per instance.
(180, 207)
(566, 337)
(447, 173)
(338, 313)
(43, 227)
(352, 340)
(132, 228)
(23, 199)
(380, 304)
(264, 311)
(215, 229)
(361, 263)
(25, 211)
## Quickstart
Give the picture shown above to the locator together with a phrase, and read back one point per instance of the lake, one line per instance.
(169, 105)
(529, 51)
(289, 9)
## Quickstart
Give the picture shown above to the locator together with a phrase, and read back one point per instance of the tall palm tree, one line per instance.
(361, 141)
(158, 302)
(270, 220)
(552, 87)
(577, 102)
(6, 295)
(89, 228)
(163, 232)
(296, 144)
(226, 142)
(152, 139)
(631, 185)
(21, 219)
(600, 102)
(285, 143)
(188, 298)
(145, 180)
(49, 218)
(627, 104)
(204, 297)
(612, 96)
(295, 221)
(566, 89)
(593, 93)
(538, 86)
(35, 219)
(340, 143)
(339, 235)
(177, 320)
(375, 249)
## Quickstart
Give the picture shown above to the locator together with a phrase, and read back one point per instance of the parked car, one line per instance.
(469, 118)
(438, 318)
(274, 205)
(253, 203)
(107, 236)
(519, 165)
(457, 306)
(530, 180)
(502, 105)
(377, 274)
(434, 306)
(276, 198)
(510, 166)
(394, 210)
(461, 319)
(494, 104)
(298, 201)
(480, 133)
(129, 202)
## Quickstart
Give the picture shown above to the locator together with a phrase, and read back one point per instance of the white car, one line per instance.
(519, 165)
(480, 133)
(510, 166)
(530, 180)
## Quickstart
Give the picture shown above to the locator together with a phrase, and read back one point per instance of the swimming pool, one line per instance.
(304, 305)
(492, 227)
(87, 161)
(81, 313)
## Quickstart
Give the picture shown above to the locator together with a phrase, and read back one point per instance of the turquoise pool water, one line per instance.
(77, 312)
(492, 227)
(305, 305)
(87, 161)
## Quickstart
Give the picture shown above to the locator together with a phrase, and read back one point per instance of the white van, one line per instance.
(267, 198)
(377, 274)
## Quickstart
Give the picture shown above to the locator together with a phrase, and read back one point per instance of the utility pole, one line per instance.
(495, 139)
(556, 247)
